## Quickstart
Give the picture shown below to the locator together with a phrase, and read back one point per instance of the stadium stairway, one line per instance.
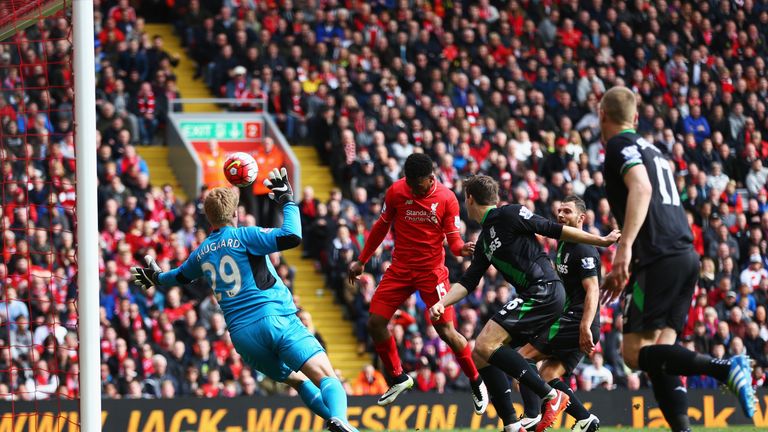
(309, 284)
(160, 173)
(157, 156)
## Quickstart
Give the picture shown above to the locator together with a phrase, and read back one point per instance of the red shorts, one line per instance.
(399, 283)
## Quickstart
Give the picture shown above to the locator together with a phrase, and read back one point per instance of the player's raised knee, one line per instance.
(483, 350)
(630, 354)
(376, 324)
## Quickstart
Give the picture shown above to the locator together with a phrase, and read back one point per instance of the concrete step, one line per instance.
(159, 171)
(309, 300)
(340, 334)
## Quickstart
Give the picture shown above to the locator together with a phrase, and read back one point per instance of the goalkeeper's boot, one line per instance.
(589, 424)
(402, 383)
(335, 424)
(552, 407)
(740, 383)
(529, 423)
(479, 396)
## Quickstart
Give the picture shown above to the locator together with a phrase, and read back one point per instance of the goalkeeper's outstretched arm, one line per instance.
(257, 240)
(152, 275)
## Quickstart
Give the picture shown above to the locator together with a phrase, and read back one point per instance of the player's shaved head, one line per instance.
(220, 206)
(483, 189)
(619, 105)
(581, 207)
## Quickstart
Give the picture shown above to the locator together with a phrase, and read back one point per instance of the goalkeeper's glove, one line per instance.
(146, 277)
(279, 189)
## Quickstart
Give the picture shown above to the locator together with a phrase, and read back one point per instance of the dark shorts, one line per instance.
(561, 342)
(659, 295)
(536, 310)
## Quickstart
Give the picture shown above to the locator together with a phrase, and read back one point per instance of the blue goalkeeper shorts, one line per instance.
(276, 345)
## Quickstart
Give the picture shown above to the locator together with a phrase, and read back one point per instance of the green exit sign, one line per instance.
(212, 130)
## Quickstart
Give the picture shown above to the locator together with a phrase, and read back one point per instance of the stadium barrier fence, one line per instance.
(184, 128)
(414, 411)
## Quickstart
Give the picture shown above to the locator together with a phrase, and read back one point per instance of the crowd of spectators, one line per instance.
(504, 88)
(511, 89)
(152, 344)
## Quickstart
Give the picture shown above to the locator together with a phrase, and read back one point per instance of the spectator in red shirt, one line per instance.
(174, 307)
(145, 106)
(122, 11)
(213, 385)
(569, 35)
(698, 236)
(110, 35)
(425, 377)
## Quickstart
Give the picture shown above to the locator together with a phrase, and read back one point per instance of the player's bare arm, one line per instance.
(638, 199)
(451, 225)
(355, 270)
(378, 232)
(576, 235)
(468, 249)
(591, 300)
(456, 293)
(457, 246)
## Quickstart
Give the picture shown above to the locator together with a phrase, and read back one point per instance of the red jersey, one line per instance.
(420, 224)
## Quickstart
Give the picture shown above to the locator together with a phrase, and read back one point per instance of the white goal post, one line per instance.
(87, 216)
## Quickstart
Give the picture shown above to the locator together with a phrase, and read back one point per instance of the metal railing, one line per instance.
(183, 158)
(231, 102)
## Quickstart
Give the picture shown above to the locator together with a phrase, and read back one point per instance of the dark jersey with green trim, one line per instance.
(574, 263)
(508, 241)
(665, 231)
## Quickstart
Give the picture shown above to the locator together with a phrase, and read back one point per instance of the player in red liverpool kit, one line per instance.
(423, 214)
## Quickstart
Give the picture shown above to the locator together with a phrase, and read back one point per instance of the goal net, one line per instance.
(39, 311)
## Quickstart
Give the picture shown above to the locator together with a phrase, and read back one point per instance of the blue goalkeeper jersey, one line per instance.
(236, 264)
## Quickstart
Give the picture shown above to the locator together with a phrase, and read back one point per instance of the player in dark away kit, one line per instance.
(657, 247)
(576, 332)
(508, 241)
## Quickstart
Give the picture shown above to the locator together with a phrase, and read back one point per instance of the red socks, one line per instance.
(465, 361)
(387, 351)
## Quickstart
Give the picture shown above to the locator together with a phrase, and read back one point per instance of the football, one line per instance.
(240, 169)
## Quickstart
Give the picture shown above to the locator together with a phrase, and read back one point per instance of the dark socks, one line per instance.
(497, 383)
(531, 401)
(664, 363)
(576, 408)
(673, 400)
(511, 362)
(676, 360)
(403, 377)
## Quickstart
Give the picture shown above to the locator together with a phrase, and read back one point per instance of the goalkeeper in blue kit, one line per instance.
(258, 307)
